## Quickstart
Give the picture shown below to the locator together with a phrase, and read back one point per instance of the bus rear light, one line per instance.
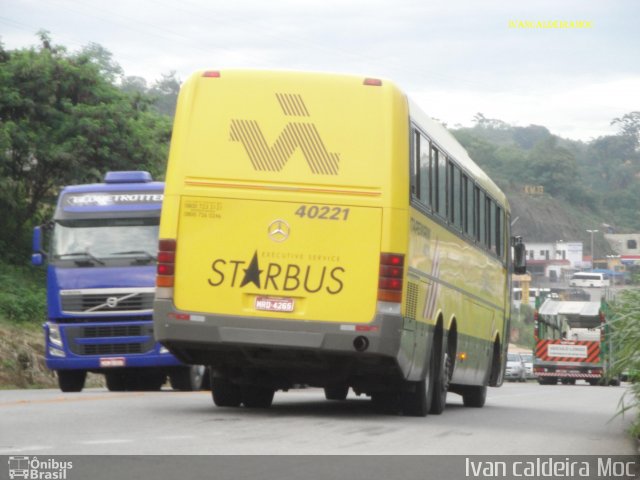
(165, 269)
(166, 263)
(211, 74)
(387, 283)
(390, 277)
(393, 259)
(372, 82)
(166, 257)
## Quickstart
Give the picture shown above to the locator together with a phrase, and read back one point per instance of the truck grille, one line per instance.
(106, 301)
(110, 339)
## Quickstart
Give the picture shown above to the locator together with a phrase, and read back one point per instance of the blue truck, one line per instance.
(101, 267)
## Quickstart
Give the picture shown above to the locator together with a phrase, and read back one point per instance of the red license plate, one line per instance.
(274, 304)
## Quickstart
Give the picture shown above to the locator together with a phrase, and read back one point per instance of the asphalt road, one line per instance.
(518, 419)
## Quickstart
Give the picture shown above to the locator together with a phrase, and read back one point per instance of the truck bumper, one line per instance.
(67, 347)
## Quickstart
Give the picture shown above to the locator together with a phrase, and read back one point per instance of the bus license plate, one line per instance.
(274, 304)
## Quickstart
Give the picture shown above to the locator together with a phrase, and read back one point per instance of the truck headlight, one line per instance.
(54, 335)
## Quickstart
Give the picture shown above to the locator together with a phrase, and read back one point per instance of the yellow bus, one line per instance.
(321, 230)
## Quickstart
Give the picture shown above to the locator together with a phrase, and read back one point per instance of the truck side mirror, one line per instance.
(37, 258)
(519, 257)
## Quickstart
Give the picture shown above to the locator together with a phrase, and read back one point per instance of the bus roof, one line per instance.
(450, 145)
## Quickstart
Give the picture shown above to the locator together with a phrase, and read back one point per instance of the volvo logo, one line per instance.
(278, 231)
(112, 302)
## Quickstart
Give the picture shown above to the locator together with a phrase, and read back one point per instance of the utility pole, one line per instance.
(593, 257)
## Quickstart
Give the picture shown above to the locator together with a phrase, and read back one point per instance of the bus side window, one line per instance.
(441, 161)
(414, 164)
(482, 217)
(455, 203)
(425, 172)
(470, 209)
(491, 225)
(500, 239)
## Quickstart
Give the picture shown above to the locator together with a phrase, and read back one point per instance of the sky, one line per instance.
(521, 61)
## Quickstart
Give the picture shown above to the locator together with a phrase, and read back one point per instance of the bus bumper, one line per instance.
(302, 351)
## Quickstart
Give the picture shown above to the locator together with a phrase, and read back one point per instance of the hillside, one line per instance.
(576, 186)
(547, 219)
(22, 358)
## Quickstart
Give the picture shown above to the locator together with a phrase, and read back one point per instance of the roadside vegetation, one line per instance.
(626, 339)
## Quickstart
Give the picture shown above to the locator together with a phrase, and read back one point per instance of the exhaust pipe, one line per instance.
(361, 343)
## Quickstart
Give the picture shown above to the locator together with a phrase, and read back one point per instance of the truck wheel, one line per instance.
(150, 381)
(474, 396)
(116, 381)
(71, 380)
(225, 393)
(188, 378)
(254, 396)
(336, 392)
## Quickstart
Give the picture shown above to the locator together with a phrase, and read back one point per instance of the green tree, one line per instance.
(64, 121)
(165, 93)
(553, 166)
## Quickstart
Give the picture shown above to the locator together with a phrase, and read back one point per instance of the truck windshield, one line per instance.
(94, 241)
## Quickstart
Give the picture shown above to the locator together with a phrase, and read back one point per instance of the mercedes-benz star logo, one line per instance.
(278, 231)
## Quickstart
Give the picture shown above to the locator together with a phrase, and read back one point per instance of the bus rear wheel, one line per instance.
(336, 392)
(225, 393)
(441, 384)
(416, 400)
(254, 396)
(474, 396)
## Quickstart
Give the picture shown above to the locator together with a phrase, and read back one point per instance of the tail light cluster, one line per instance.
(390, 277)
(166, 263)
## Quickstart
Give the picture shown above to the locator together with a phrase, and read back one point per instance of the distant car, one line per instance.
(515, 371)
(527, 360)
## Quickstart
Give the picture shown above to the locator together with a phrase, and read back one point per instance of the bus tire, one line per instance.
(387, 403)
(225, 393)
(416, 399)
(71, 380)
(441, 384)
(336, 392)
(254, 396)
(474, 396)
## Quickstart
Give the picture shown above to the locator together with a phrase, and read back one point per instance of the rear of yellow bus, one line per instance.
(284, 232)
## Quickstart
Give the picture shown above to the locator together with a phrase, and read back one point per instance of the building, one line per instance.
(555, 260)
(627, 245)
